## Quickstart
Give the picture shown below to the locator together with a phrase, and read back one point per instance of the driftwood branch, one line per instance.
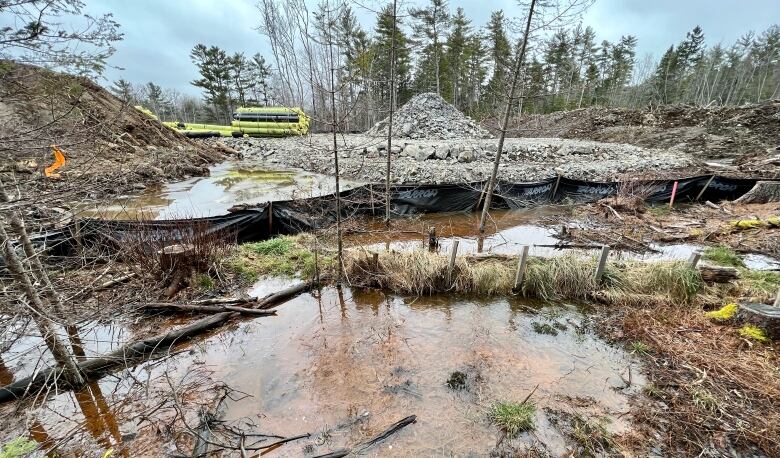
(188, 308)
(392, 429)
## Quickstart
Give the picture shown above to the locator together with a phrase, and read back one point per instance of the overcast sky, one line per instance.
(160, 34)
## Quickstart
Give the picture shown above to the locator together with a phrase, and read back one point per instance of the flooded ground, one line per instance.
(229, 184)
(343, 365)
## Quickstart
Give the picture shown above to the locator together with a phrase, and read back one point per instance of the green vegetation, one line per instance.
(725, 313)
(569, 276)
(659, 210)
(457, 380)
(752, 332)
(639, 348)
(205, 282)
(760, 281)
(723, 255)
(17, 448)
(673, 279)
(704, 400)
(652, 390)
(282, 256)
(513, 417)
(592, 436)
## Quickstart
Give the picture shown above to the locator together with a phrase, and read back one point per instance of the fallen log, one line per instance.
(718, 274)
(189, 308)
(139, 351)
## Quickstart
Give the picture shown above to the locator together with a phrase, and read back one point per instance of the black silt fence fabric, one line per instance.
(522, 195)
(406, 200)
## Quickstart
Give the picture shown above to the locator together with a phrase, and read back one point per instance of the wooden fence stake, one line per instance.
(521, 268)
(375, 261)
(602, 264)
(674, 193)
(451, 267)
(777, 299)
(270, 218)
(694, 259)
(707, 185)
(555, 189)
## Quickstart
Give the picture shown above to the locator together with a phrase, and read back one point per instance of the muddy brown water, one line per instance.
(345, 364)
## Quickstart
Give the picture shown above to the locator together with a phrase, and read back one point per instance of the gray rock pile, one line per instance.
(428, 116)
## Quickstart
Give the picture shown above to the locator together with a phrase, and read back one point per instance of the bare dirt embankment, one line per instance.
(110, 147)
(707, 132)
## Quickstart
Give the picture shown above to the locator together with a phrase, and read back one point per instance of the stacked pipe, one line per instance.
(269, 122)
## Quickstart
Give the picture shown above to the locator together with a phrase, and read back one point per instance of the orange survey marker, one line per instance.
(59, 161)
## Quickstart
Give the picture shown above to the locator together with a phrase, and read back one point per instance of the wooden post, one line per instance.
(371, 194)
(521, 268)
(694, 259)
(270, 218)
(375, 261)
(451, 267)
(674, 193)
(777, 299)
(707, 185)
(555, 189)
(432, 242)
(602, 264)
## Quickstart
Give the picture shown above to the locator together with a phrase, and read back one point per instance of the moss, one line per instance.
(513, 417)
(17, 448)
(751, 332)
(725, 313)
(659, 210)
(723, 255)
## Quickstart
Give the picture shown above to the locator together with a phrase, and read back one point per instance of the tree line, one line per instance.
(439, 50)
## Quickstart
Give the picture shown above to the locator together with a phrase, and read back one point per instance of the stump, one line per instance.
(763, 192)
(766, 317)
(718, 274)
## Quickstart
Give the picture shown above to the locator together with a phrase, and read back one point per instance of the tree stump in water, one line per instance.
(766, 317)
(176, 261)
(763, 192)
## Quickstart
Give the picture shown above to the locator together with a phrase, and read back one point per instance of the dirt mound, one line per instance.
(428, 116)
(109, 147)
(713, 132)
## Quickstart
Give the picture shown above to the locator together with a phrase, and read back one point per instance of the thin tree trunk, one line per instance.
(505, 122)
(46, 326)
(390, 119)
(334, 119)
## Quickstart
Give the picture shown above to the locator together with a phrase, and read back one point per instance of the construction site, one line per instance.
(290, 280)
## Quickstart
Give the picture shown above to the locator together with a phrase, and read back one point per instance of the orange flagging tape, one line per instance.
(59, 161)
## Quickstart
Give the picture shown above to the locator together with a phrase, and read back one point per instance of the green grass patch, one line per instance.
(17, 448)
(724, 313)
(570, 276)
(659, 210)
(676, 280)
(723, 255)
(513, 417)
(639, 348)
(280, 256)
(751, 332)
(592, 435)
(760, 281)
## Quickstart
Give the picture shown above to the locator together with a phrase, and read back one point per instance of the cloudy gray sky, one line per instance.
(160, 34)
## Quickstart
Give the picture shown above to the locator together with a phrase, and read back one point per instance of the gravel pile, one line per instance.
(428, 116)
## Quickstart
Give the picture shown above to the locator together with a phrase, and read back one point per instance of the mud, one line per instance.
(345, 364)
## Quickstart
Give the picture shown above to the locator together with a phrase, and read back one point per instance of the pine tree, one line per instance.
(214, 66)
(500, 54)
(429, 28)
(381, 52)
(456, 57)
(124, 90)
(260, 73)
(241, 78)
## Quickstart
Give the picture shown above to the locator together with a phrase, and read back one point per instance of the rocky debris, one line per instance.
(463, 160)
(708, 132)
(429, 116)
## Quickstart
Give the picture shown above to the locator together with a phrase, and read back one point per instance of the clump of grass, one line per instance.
(592, 436)
(491, 277)
(703, 399)
(724, 313)
(723, 255)
(652, 390)
(513, 417)
(760, 281)
(544, 328)
(569, 276)
(752, 332)
(639, 348)
(17, 448)
(205, 282)
(281, 256)
(676, 279)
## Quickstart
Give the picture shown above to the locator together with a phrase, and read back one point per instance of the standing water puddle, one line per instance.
(345, 364)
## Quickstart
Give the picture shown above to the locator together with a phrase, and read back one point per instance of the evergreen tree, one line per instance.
(429, 28)
(381, 51)
(500, 54)
(124, 90)
(456, 57)
(214, 66)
